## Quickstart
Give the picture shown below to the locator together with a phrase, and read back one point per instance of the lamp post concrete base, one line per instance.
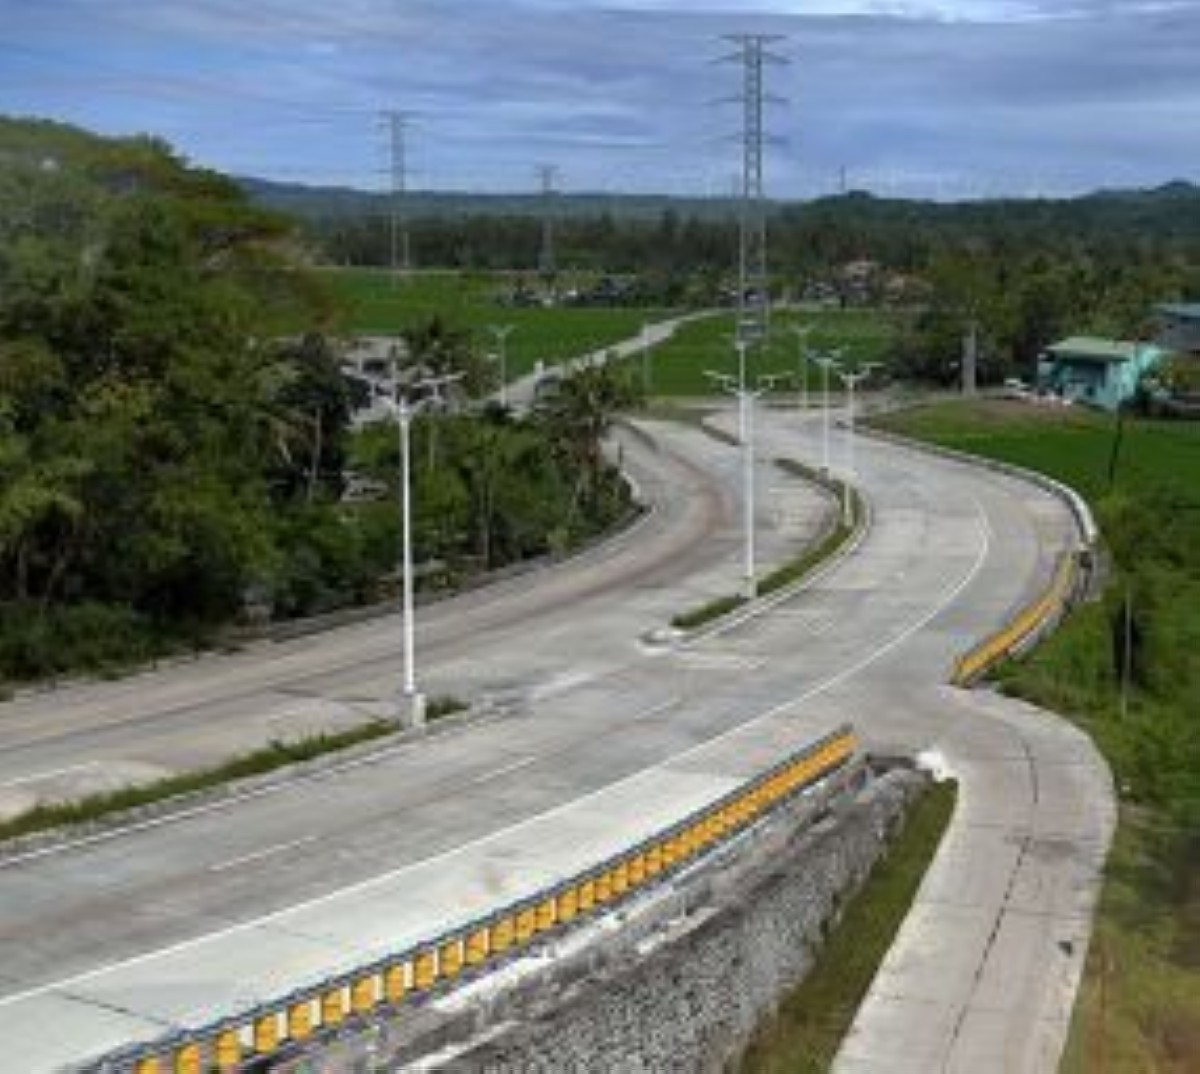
(412, 711)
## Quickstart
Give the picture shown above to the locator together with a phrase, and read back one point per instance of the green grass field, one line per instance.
(1139, 1006)
(678, 367)
(1072, 444)
(374, 301)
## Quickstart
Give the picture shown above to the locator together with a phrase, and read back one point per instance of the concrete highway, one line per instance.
(536, 633)
(606, 738)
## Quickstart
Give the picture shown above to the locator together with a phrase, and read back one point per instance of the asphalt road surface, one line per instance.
(606, 738)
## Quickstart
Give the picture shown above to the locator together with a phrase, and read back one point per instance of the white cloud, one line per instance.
(617, 92)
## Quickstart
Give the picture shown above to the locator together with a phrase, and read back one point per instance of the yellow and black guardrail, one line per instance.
(1022, 628)
(272, 1030)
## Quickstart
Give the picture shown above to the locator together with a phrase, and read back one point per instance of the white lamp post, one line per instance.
(411, 704)
(801, 332)
(500, 333)
(746, 397)
(826, 362)
(646, 345)
(851, 379)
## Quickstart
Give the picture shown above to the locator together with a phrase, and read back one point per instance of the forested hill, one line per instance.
(320, 202)
(633, 234)
(1171, 209)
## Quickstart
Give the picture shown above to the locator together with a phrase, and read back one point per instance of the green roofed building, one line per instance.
(1098, 372)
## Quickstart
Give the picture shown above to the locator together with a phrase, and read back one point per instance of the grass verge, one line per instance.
(706, 613)
(259, 762)
(806, 1031)
(1138, 1007)
(794, 570)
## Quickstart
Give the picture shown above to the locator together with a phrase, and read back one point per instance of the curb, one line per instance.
(1072, 577)
(759, 605)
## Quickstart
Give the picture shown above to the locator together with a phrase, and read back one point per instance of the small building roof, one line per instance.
(1183, 311)
(1092, 349)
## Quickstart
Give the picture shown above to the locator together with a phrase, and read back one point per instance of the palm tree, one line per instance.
(579, 411)
(437, 349)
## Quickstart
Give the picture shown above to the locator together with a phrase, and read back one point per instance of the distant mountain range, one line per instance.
(331, 202)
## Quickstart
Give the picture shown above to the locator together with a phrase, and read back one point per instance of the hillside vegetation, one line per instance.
(169, 463)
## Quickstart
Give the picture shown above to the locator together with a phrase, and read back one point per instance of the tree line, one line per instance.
(1023, 273)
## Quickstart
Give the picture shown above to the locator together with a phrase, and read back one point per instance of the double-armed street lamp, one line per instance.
(500, 333)
(851, 378)
(826, 362)
(746, 397)
(647, 343)
(411, 703)
(801, 332)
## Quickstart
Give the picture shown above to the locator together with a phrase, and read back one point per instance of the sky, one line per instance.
(925, 98)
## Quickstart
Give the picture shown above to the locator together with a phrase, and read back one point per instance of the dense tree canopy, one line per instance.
(166, 456)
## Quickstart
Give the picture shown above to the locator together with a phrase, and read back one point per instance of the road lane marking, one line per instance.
(49, 775)
(947, 598)
(258, 855)
(503, 770)
(658, 710)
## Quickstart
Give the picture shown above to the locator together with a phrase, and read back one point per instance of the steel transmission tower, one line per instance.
(395, 126)
(753, 282)
(547, 175)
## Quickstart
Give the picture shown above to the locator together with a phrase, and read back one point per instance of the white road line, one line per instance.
(258, 855)
(503, 770)
(948, 597)
(49, 775)
(207, 807)
(658, 710)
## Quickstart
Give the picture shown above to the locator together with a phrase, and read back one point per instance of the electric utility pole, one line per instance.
(395, 127)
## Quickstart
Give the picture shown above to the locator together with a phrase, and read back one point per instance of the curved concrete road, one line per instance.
(530, 635)
(183, 919)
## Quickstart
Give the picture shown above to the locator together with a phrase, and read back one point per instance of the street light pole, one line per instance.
(746, 397)
(500, 333)
(411, 703)
(851, 379)
(416, 708)
(740, 345)
(826, 362)
(801, 332)
(646, 359)
(746, 404)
